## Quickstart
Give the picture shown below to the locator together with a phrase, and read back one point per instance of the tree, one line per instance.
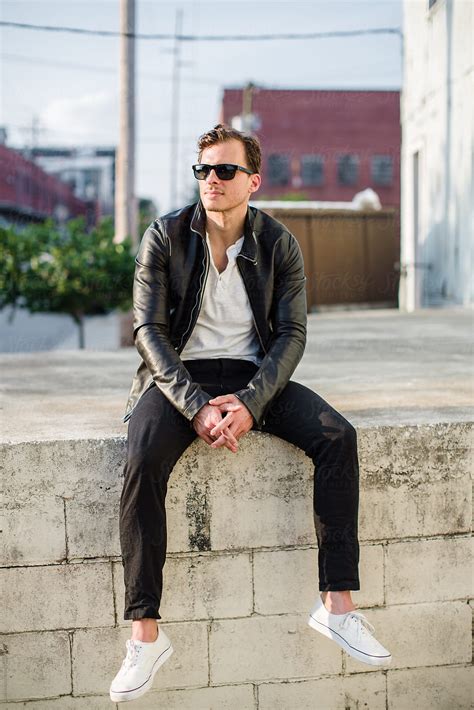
(147, 212)
(67, 270)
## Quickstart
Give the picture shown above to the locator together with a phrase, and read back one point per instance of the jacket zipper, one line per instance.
(253, 261)
(253, 315)
(180, 347)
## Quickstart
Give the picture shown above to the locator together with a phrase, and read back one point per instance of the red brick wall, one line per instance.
(325, 122)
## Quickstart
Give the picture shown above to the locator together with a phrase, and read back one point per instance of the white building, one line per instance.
(89, 170)
(437, 170)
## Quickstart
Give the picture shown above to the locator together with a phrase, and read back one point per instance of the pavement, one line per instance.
(376, 367)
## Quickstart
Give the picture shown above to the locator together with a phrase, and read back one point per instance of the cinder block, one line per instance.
(189, 503)
(199, 587)
(265, 501)
(263, 522)
(86, 473)
(93, 525)
(340, 693)
(432, 634)
(269, 648)
(92, 504)
(56, 597)
(36, 665)
(371, 574)
(66, 702)
(98, 653)
(428, 570)
(226, 697)
(412, 455)
(437, 508)
(286, 581)
(435, 688)
(64, 468)
(415, 480)
(34, 531)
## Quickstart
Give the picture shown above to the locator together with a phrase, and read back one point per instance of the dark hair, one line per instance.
(222, 132)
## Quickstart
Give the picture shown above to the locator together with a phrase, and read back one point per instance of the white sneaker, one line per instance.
(135, 677)
(352, 631)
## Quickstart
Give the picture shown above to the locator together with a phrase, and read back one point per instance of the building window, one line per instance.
(278, 169)
(382, 170)
(91, 183)
(312, 170)
(347, 169)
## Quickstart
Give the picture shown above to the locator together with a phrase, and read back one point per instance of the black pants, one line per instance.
(157, 436)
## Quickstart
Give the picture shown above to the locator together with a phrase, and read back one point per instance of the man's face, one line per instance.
(221, 195)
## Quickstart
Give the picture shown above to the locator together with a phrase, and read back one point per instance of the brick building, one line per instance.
(29, 194)
(322, 144)
(89, 170)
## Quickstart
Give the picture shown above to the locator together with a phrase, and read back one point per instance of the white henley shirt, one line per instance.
(225, 326)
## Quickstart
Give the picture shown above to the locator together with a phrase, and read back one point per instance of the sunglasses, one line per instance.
(224, 171)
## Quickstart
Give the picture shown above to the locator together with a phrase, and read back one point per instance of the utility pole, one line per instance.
(126, 217)
(247, 107)
(35, 131)
(174, 156)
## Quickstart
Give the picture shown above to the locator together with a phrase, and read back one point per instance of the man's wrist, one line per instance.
(196, 406)
(246, 398)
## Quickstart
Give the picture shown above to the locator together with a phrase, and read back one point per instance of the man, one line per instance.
(220, 323)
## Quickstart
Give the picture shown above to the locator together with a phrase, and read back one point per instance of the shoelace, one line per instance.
(132, 654)
(362, 622)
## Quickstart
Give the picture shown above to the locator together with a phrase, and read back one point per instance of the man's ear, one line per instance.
(255, 182)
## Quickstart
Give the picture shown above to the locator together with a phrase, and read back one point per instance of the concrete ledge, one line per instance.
(240, 578)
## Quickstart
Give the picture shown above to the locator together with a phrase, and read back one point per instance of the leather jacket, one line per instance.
(171, 269)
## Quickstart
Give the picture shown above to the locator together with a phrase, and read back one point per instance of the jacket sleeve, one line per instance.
(289, 321)
(151, 325)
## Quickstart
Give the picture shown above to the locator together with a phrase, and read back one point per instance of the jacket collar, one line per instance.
(249, 246)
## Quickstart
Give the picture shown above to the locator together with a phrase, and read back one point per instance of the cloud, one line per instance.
(91, 118)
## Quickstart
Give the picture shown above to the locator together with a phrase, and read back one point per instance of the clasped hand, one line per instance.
(223, 421)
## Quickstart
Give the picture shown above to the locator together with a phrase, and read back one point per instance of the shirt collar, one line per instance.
(252, 227)
(233, 249)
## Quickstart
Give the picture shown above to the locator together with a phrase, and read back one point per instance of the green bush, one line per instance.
(68, 270)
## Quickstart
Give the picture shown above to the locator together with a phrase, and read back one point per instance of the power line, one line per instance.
(207, 38)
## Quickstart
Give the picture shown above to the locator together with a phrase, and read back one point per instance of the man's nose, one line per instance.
(212, 177)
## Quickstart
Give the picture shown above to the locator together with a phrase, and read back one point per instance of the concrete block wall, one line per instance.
(240, 576)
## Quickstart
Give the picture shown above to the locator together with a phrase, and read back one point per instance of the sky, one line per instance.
(68, 84)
